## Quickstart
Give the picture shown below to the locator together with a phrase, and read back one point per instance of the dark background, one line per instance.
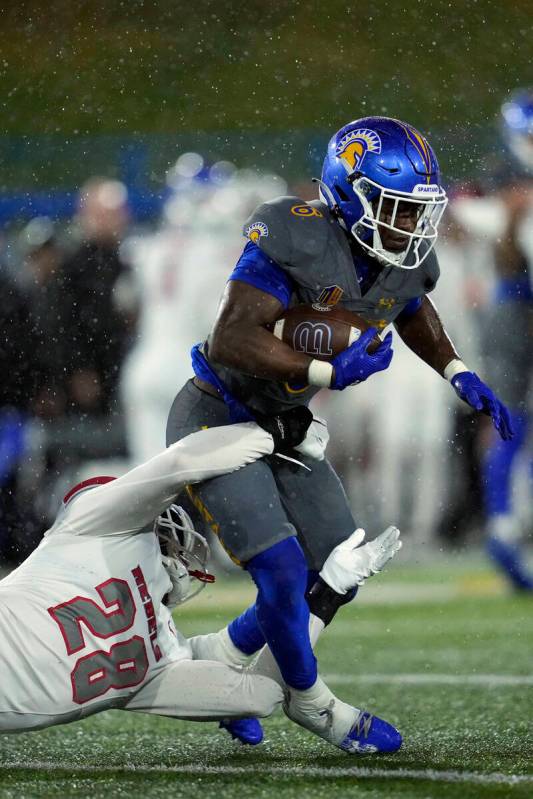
(122, 88)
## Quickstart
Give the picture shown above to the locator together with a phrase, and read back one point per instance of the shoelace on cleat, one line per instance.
(363, 723)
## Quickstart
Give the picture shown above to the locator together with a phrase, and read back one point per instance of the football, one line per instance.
(321, 331)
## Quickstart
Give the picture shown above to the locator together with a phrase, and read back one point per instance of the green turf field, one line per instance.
(441, 651)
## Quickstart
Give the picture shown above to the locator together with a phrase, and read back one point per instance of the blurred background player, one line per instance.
(16, 390)
(80, 322)
(179, 272)
(367, 244)
(504, 218)
(40, 276)
(100, 327)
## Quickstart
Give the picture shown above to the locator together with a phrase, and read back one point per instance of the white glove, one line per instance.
(349, 564)
(316, 440)
(180, 579)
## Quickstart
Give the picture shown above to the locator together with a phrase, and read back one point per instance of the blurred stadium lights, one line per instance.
(42, 174)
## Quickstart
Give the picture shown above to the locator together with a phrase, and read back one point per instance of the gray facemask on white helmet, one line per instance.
(185, 554)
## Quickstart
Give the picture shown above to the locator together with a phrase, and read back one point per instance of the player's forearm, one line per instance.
(218, 450)
(132, 502)
(255, 351)
(425, 335)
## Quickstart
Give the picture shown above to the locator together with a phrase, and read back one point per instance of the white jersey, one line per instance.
(82, 624)
(180, 277)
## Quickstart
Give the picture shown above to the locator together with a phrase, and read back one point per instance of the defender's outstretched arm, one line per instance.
(133, 501)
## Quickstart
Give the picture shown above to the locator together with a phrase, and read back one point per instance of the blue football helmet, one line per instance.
(517, 126)
(377, 159)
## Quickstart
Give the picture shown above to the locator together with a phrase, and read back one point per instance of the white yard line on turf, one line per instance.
(433, 775)
(433, 679)
(379, 593)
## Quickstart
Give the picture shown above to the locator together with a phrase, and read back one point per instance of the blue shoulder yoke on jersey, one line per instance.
(257, 269)
(202, 369)
(410, 309)
(366, 269)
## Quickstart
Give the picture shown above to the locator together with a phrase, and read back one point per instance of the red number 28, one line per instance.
(125, 664)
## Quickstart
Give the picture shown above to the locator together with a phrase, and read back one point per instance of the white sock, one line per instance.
(318, 710)
(219, 646)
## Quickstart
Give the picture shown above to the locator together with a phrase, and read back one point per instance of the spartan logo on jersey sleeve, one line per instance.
(313, 338)
(353, 147)
(255, 231)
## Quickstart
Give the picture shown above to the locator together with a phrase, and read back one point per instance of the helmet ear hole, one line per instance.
(342, 194)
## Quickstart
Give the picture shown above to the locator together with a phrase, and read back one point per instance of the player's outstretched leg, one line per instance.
(353, 730)
(280, 574)
(280, 617)
(316, 708)
(221, 648)
(503, 530)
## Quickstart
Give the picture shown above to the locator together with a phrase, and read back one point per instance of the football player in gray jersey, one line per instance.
(366, 244)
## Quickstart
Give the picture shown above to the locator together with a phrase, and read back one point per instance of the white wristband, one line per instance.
(455, 367)
(320, 373)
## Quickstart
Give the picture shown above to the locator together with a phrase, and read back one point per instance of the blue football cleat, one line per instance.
(510, 560)
(247, 731)
(370, 735)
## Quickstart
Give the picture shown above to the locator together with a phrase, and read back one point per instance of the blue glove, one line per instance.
(472, 390)
(355, 364)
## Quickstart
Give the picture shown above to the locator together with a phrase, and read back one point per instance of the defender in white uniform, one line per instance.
(82, 624)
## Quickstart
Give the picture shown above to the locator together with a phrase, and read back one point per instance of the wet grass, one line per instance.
(468, 728)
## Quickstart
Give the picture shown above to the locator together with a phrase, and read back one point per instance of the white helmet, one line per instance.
(185, 554)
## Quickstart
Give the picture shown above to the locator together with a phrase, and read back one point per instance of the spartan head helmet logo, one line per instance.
(255, 231)
(313, 338)
(353, 147)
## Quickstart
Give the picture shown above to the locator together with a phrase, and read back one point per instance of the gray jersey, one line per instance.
(308, 243)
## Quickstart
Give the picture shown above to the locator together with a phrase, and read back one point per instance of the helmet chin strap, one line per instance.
(389, 256)
(379, 252)
(396, 257)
